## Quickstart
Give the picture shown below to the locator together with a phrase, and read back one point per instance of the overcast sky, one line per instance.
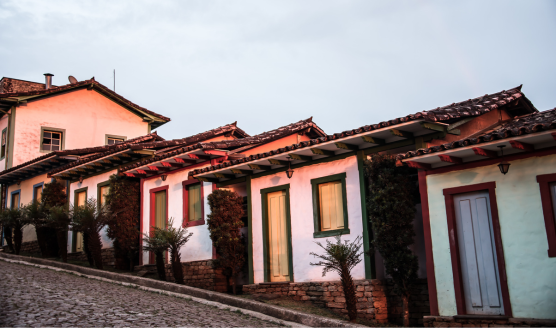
(270, 63)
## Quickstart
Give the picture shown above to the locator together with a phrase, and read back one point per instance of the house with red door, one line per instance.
(489, 209)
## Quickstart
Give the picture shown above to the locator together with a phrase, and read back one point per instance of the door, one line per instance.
(80, 199)
(159, 216)
(278, 236)
(477, 252)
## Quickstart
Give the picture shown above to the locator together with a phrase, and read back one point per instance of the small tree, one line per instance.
(8, 231)
(124, 199)
(156, 243)
(58, 218)
(16, 221)
(342, 258)
(35, 214)
(54, 194)
(175, 239)
(391, 209)
(90, 219)
(224, 223)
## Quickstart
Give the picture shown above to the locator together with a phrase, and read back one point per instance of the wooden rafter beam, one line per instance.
(450, 159)
(185, 161)
(224, 176)
(343, 145)
(170, 164)
(205, 179)
(323, 152)
(484, 152)
(400, 133)
(277, 162)
(158, 168)
(238, 171)
(259, 167)
(202, 157)
(215, 152)
(418, 165)
(521, 145)
(147, 172)
(297, 157)
(373, 140)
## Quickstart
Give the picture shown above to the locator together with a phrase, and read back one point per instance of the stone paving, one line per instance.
(31, 296)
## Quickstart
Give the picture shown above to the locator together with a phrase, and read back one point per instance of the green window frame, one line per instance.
(318, 233)
(266, 246)
(109, 137)
(74, 233)
(47, 129)
(99, 187)
(4, 143)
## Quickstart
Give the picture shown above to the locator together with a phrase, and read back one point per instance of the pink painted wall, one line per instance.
(87, 117)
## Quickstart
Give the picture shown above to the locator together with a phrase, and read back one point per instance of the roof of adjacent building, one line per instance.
(15, 97)
(519, 126)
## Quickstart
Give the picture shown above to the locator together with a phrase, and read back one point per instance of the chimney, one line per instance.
(48, 78)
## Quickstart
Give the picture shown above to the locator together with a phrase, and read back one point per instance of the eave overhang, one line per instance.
(325, 148)
(35, 169)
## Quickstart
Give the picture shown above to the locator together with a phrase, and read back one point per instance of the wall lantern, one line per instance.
(289, 171)
(503, 166)
(80, 179)
(163, 177)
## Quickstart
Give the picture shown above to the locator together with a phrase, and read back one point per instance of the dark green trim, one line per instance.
(370, 270)
(74, 233)
(231, 182)
(11, 133)
(63, 143)
(99, 185)
(316, 215)
(249, 232)
(330, 233)
(113, 136)
(6, 150)
(266, 259)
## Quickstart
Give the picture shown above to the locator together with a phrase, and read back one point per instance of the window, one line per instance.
(37, 192)
(4, 143)
(193, 213)
(80, 197)
(547, 184)
(15, 199)
(330, 206)
(51, 140)
(102, 191)
(113, 139)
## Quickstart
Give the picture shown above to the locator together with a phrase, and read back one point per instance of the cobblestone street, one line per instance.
(31, 296)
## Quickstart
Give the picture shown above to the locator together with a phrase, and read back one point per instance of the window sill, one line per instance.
(189, 224)
(330, 233)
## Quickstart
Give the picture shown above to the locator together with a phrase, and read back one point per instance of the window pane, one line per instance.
(194, 202)
(45, 147)
(55, 147)
(331, 206)
(47, 135)
(47, 141)
(56, 135)
(160, 209)
(55, 142)
(37, 194)
(81, 198)
(110, 141)
(103, 192)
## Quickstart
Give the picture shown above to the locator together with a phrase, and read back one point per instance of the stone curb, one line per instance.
(267, 309)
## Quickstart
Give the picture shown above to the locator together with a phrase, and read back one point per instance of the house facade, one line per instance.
(42, 124)
(490, 224)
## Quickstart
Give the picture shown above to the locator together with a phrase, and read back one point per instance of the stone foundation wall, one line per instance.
(200, 274)
(484, 321)
(107, 256)
(376, 299)
(28, 247)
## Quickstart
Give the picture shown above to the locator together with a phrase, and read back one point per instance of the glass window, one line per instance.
(331, 208)
(194, 202)
(51, 140)
(112, 141)
(4, 143)
(103, 193)
(15, 200)
(37, 193)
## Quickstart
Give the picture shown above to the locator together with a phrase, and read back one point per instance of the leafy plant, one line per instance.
(14, 219)
(224, 223)
(342, 258)
(391, 209)
(175, 239)
(123, 199)
(156, 243)
(35, 214)
(58, 218)
(54, 194)
(8, 231)
(90, 218)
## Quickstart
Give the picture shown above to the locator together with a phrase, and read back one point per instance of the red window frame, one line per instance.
(185, 185)
(152, 214)
(454, 248)
(548, 210)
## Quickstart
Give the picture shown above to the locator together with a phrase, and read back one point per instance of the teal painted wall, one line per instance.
(531, 273)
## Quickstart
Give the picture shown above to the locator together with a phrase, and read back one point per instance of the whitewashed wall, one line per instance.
(302, 223)
(199, 246)
(529, 270)
(92, 192)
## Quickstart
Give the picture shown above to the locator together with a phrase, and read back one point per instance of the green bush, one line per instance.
(58, 219)
(156, 243)
(175, 239)
(15, 221)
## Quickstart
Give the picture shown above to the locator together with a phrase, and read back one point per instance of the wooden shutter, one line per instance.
(331, 206)
(194, 202)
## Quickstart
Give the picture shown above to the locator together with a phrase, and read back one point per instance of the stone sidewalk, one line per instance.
(31, 296)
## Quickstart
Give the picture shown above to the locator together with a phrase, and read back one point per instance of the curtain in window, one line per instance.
(103, 192)
(15, 200)
(37, 194)
(194, 202)
(81, 198)
(331, 206)
(160, 209)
